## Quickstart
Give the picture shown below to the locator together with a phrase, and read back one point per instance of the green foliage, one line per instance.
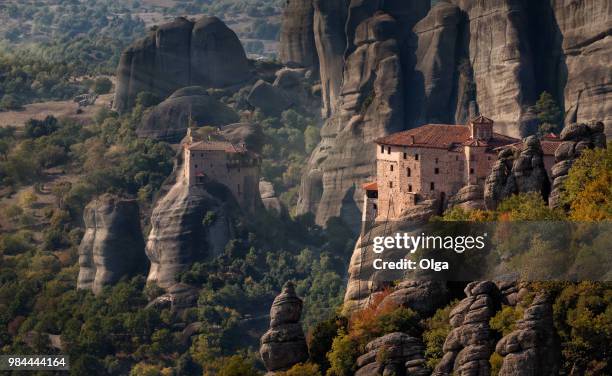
(102, 85)
(548, 113)
(9, 103)
(303, 369)
(588, 189)
(38, 128)
(437, 329)
(526, 207)
(505, 320)
(343, 355)
(321, 337)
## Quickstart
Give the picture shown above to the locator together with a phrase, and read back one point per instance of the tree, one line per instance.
(37, 128)
(548, 113)
(102, 85)
(9, 103)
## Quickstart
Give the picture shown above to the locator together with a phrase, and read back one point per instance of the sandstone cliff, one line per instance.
(112, 246)
(297, 43)
(179, 54)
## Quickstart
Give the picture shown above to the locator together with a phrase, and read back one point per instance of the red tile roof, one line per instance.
(482, 120)
(225, 146)
(372, 186)
(442, 136)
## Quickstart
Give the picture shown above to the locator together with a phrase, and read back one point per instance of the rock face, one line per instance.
(517, 171)
(576, 137)
(471, 342)
(502, 62)
(268, 197)
(112, 246)
(470, 197)
(179, 54)
(284, 344)
(533, 347)
(180, 232)
(170, 119)
(438, 35)
(297, 43)
(403, 355)
(329, 21)
(422, 296)
(584, 32)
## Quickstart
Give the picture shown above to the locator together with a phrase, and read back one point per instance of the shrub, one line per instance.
(102, 85)
(302, 369)
(437, 329)
(343, 355)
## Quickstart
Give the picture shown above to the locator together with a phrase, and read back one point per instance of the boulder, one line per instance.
(576, 139)
(470, 197)
(297, 44)
(284, 344)
(244, 133)
(170, 119)
(533, 347)
(402, 353)
(178, 54)
(423, 297)
(471, 341)
(269, 99)
(517, 170)
(268, 197)
(113, 246)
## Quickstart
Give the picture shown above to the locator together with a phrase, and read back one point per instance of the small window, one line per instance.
(437, 171)
(471, 171)
(405, 155)
(457, 158)
(410, 188)
(432, 186)
(201, 154)
(389, 150)
(416, 157)
(436, 160)
(196, 166)
(382, 149)
(391, 167)
(408, 172)
(390, 184)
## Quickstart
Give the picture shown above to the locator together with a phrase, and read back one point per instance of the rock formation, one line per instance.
(470, 197)
(268, 98)
(284, 344)
(268, 196)
(470, 343)
(330, 38)
(533, 347)
(501, 58)
(393, 354)
(113, 246)
(297, 43)
(583, 29)
(183, 232)
(179, 54)
(434, 77)
(364, 281)
(170, 119)
(517, 170)
(576, 137)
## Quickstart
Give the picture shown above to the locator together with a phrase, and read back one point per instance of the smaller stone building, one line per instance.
(226, 163)
(433, 161)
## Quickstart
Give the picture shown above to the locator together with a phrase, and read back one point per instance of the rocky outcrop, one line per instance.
(268, 98)
(297, 43)
(470, 197)
(113, 246)
(365, 282)
(471, 342)
(517, 170)
(533, 347)
(268, 196)
(438, 35)
(188, 224)
(179, 54)
(244, 133)
(584, 30)
(284, 344)
(576, 138)
(330, 39)
(393, 354)
(170, 119)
